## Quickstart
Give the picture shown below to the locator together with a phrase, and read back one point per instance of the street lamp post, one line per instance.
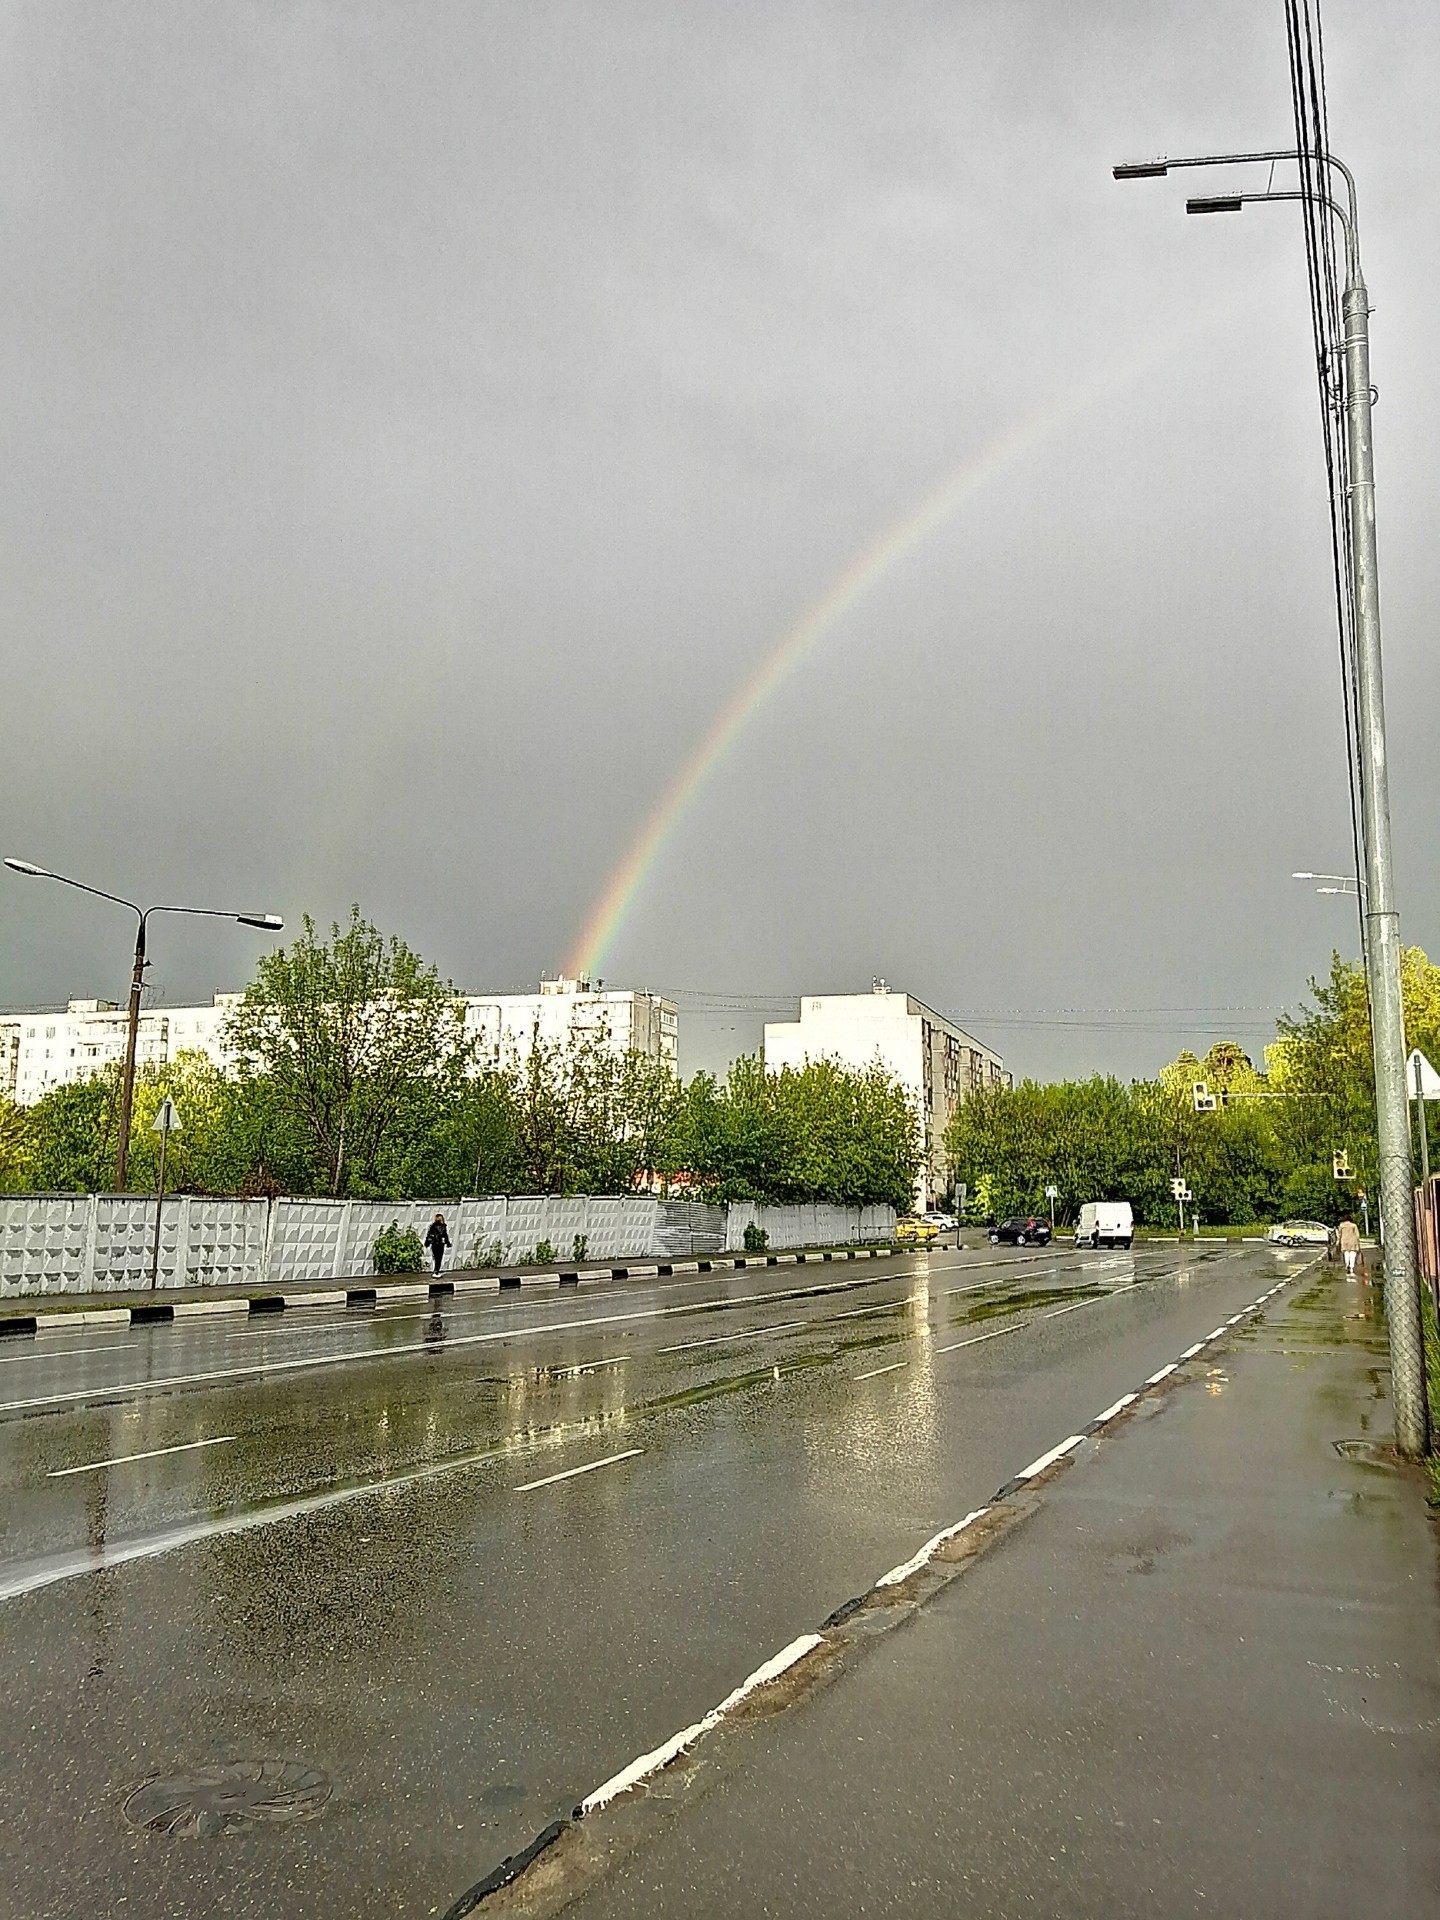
(267, 922)
(1381, 919)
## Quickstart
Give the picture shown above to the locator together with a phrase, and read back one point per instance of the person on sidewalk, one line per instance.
(1349, 1238)
(437, 1240)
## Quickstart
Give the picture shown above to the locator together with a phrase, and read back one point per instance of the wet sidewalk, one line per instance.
(1200, 1676)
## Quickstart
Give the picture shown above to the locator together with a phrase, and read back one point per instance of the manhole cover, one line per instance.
(223, 1799)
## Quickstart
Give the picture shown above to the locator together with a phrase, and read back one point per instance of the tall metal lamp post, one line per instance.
(1382, 921)
(266, 922)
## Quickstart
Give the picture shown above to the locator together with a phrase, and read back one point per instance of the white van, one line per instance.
(1105, 1223)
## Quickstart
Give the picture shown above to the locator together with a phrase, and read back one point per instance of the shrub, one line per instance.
(544, 1255)
(756, 1239)
(578, 1246)
(397, 1249)
(486, 1253)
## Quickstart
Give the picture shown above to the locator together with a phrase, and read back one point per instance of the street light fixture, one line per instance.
(1381, 919)
(266, 922)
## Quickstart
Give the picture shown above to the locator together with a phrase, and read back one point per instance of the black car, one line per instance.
(1021, 1230)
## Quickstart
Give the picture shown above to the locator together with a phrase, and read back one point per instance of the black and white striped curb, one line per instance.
(646, 1765)
(359, 1293)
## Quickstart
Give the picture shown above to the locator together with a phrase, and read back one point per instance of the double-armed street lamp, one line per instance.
(1376, 890)
(1347, 883)
(266, 922)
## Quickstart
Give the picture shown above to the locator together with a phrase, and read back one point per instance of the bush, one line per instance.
(756, 1239)
(486, 1253)
(397, 1249)
(578, 1246)
(544, 1255)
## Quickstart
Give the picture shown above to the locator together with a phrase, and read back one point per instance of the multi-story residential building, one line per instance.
(936, 1062)
(42, 1050)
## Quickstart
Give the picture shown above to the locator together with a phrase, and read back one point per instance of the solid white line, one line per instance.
(571, 1473)
(121, 1388)
(1156, 1378)
(154, 1453)
(1049, 1459)
(728, 1339)
(74, 1353)
(917, 1560)
(1125, 1400)
(876, 1372)
(661, 1756)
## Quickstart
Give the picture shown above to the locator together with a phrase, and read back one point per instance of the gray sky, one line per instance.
(421, 418)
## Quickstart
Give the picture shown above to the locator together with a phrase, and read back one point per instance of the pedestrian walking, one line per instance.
(1349, 1237)
(437, 1240)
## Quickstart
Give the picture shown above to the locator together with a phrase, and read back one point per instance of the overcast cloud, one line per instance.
(420, 418)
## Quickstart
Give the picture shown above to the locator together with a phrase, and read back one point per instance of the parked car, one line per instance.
(944, 1221)
(1105, 1223)
(1020, 1230)
(914, 1232)
(1299, 1233)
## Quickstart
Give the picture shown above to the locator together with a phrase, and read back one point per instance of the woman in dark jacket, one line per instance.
(437, 1240)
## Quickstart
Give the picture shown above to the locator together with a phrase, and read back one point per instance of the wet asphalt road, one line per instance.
(347, 1544)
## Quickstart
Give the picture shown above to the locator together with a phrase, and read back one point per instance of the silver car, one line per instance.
(1299, 1233)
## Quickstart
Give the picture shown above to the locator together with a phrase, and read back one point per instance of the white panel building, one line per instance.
(42, 1050)
(936, 1062)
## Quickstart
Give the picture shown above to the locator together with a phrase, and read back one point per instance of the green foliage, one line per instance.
(544, 1255)
(397, 1249)
(69, 1140)
(578, 1245)
(358, 1039)
(486, 1253)
(756, 1238)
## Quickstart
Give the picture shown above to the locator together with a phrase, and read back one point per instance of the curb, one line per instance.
(161, 1312)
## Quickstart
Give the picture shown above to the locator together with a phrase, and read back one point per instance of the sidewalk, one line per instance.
(1201, 1676)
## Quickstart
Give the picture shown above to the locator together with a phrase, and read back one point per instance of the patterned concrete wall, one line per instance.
(807, 1226)
(83, 1243)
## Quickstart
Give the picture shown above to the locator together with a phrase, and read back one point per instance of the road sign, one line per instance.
(1421, 1077)
(167, 1120)
(1052, 1193)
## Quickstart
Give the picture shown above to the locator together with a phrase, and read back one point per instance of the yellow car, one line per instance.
(914, 1232)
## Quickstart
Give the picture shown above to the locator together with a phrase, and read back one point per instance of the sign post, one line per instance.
(166, 1122)
(1426, 1084)
(1052, 1194)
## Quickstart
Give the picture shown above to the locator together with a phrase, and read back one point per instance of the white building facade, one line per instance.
(39, 1051)
(937, 1063)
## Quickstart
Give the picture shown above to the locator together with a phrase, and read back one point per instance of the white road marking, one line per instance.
(728, 1339)
(73, 1353)
(1049, 1459)
(1190, 1352)
(976, 1339)
(1156, 1378)
(1216, 1334)
(1125, 1400)
(875, 1372)
(649, 1763)
(572, 1473)
(154, 1453)
(917, 1560)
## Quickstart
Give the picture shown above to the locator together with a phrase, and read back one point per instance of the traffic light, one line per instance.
(1340, 1164)
(1205, 1101)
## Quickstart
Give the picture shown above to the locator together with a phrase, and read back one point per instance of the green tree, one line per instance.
(354, 1035)
(70, 1137)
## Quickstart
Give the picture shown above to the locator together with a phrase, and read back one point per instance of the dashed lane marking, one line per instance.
(875, 1372)
(573, 1473)
(152, 1453)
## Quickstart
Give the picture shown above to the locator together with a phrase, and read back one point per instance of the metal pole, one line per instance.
(159, 1205)
(1387, 1013)
(127, 1082)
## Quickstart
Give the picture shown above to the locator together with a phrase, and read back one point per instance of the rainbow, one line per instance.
(863, 574)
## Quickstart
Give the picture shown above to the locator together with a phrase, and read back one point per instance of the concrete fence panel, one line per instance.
(44, 1243)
